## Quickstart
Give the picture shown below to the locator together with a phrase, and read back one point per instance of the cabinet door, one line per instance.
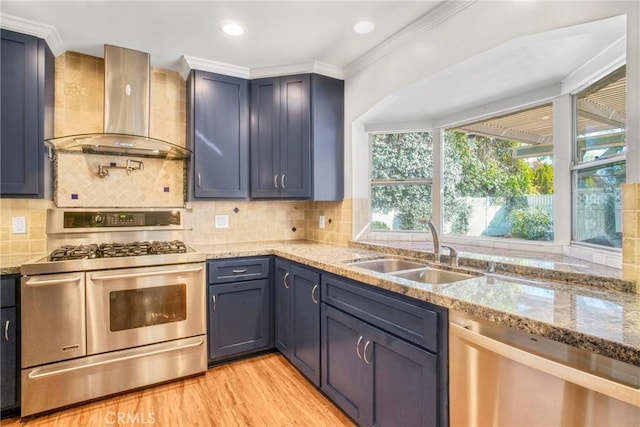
(266, 179)
(221, 136)
(295, 136)
(21, 147)
(282, 290)
(305, 285)
(239, 320)
(346, 378)
(404, 391)
(9, 358)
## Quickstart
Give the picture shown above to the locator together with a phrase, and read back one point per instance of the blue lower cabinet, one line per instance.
(376, 378)
(346, 378)
(239, 318)
(297, 317)
(10, 346)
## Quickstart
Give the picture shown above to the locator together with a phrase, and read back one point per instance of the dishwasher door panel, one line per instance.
(498, 383)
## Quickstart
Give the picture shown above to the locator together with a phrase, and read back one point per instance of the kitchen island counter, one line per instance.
(597, 319)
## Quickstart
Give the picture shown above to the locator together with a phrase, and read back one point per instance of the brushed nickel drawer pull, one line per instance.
(244, 270)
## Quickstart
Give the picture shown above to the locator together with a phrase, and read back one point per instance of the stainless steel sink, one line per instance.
(387, 265)
(434, 276)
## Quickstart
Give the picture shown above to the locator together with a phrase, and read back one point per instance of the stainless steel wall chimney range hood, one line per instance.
(126, 112)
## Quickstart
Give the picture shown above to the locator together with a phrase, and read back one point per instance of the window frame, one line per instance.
(578, 165)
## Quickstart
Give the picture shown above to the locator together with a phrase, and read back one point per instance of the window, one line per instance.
(401, 170)
(498, 177)
(600, 159)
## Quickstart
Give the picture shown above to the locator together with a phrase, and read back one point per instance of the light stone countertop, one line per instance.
(597, 319)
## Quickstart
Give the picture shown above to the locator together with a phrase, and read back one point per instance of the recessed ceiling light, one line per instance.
(363, 27)
(231, 28)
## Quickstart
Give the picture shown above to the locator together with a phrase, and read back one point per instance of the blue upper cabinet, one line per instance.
(27, 76)
(218, 134)
(297, 127)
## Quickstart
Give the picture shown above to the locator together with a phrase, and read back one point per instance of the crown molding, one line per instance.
(189, 63)
(445, 10)
(193, 63)
(37, 29)
(308, 67)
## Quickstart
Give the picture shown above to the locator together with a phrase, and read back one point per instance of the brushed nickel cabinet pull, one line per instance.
(283, 186)
(364, 352)
(199, 181)
(313, 297)
(6, 330)
(213, 300)
(275, 181)
(286, 285)
(358, 347)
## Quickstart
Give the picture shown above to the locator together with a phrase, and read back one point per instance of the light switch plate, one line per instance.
(321, 221)
(222, 221)
(19, 225)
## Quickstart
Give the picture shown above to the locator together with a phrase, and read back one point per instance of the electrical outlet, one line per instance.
(19, 225)
(222, 221)
(321, 221)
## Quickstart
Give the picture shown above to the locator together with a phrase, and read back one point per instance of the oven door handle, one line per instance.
(143, 274)
(47, 372)
(57, 281)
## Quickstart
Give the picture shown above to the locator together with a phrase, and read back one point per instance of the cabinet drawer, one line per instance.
(237, 269)
(416, 324)
(8, 288)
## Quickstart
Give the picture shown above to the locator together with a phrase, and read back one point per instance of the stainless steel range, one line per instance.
(118, 304)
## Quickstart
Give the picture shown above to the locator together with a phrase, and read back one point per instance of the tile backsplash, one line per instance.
(159, 184)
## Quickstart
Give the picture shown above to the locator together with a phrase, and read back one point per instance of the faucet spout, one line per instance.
(436, 241)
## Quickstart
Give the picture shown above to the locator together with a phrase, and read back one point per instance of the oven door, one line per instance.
(138, 306)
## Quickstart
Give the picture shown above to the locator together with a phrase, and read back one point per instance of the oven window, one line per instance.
(137, 308)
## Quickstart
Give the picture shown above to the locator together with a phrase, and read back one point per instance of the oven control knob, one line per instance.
(98, 219)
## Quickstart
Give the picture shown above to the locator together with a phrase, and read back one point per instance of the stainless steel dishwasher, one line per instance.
(499, 376)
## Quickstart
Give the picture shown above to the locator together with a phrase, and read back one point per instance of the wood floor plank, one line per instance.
(261, 391)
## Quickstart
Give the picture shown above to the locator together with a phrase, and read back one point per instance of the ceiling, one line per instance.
(522, 65)
(277, 32)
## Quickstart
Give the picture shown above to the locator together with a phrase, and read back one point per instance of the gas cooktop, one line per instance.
(109, 256)
(112, 250)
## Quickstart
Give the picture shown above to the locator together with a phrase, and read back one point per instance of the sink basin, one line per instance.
(434, 276)
(387, 265)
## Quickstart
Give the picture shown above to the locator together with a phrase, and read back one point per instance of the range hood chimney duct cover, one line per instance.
(126, 112)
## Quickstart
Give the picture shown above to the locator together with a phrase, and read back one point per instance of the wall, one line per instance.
(18, 248)
(631, 239)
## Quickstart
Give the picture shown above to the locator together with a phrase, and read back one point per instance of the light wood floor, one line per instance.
(262, 391)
